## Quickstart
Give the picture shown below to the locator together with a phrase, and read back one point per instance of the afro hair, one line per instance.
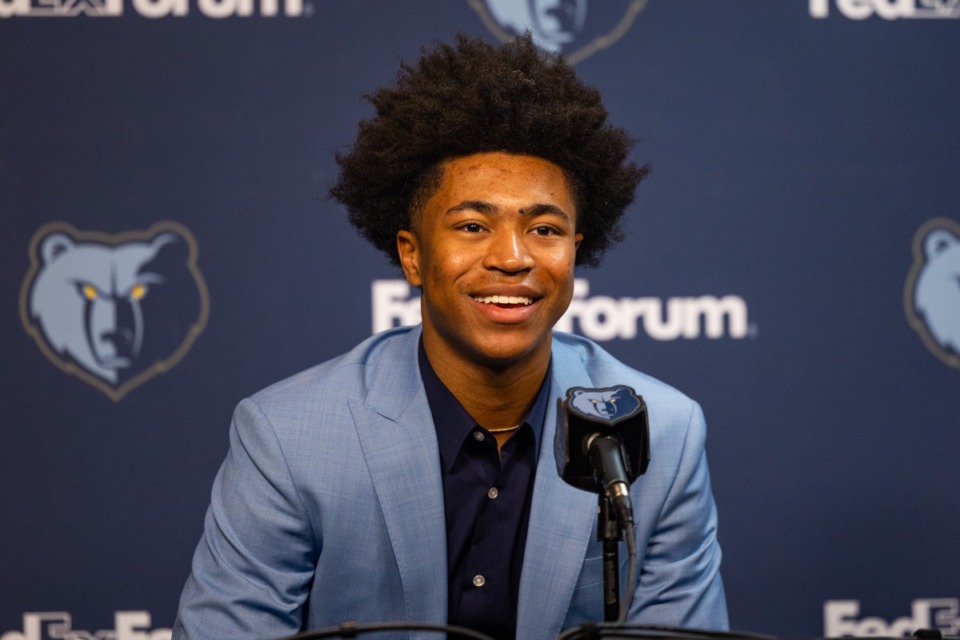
(475, 97)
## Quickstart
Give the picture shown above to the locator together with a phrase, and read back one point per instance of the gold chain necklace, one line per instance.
(504, 430)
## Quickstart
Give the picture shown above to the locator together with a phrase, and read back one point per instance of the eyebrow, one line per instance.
(486, 208)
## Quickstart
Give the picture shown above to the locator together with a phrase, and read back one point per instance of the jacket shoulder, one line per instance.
(350, 376)
(605, 370)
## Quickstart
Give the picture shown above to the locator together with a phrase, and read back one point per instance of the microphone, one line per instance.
(602, 442)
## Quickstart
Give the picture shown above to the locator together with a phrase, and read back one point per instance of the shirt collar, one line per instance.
(452, 422)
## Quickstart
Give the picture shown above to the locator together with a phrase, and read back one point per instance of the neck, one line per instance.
(497, 397)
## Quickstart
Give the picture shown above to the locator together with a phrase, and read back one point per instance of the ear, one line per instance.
(408, 247)
(577, 239)
(54, 246)
(165, 238)
(938, 241)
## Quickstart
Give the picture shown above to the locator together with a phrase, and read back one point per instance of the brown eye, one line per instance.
(138, 292)
(89, 292)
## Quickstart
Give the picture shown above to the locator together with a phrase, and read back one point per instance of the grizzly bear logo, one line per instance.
(611, 404)
(932, 295)
(114, 310)
(560, 26)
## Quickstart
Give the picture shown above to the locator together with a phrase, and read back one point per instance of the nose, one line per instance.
(116, 328)
(508, 252)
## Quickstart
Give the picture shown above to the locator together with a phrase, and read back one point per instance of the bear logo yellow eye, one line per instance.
(138, 291)
(89, 292)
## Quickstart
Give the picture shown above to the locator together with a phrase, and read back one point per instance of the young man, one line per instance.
(414, 477)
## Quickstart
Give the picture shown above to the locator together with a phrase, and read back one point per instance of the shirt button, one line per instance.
(493, 493)
(478, 436)
(479, 580)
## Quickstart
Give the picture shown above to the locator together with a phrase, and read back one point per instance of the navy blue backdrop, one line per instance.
(793, 262)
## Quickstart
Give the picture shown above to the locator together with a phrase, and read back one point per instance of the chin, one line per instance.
(503, 353)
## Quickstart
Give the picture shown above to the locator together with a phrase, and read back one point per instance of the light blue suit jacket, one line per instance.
(329, 507)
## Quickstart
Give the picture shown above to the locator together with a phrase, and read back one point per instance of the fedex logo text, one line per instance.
(600, 317)
(57, 625)
(151, 8)
(887, 9)
(841, 618)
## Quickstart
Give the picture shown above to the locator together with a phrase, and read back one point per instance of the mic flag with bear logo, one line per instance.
(617, 412)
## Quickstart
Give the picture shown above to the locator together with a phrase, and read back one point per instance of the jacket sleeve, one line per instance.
(678, 582)
(253, 566)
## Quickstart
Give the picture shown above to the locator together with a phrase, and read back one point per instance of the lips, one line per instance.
(507, 304)
(504, 300)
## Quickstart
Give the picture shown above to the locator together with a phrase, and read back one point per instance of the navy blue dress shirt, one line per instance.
(487, 505)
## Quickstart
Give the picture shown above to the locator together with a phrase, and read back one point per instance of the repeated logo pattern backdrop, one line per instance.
(793, 262)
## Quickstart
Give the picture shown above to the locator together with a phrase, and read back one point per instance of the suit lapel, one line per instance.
(561, 521)
(399, 445)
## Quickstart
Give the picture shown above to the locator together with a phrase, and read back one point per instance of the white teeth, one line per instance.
(504, 300)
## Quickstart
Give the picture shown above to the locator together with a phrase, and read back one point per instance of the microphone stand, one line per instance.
(610, 534)
(603, 451)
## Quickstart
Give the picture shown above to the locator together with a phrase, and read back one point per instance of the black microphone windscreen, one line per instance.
(610, 411)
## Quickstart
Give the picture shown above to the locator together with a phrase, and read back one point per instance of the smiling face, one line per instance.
(493, 250)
